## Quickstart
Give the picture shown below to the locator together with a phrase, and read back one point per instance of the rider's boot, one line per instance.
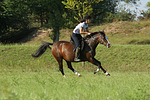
(77, 54)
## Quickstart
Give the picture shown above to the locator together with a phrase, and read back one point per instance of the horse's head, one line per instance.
(103, 39)
(100, 37)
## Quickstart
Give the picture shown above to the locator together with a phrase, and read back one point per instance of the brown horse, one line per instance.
(64, 50)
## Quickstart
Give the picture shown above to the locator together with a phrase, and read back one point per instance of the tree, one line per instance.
(130, 1)
(146, 14)
(50, 10)
(39, 9)
(125, 15)
(13, 16)
(3, 18)
(103, 11)
(13, 20)
(56, 20)
(80, 8)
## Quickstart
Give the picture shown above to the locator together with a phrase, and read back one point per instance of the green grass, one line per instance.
(52, 86)
(116, 58)
(128, 61)
(126, 32)
(23, 77)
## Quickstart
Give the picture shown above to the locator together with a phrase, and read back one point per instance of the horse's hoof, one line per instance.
(64, 76)
(108, 74)
(79, 75)
(94, 72)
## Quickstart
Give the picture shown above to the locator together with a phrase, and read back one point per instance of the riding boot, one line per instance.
(77, 54)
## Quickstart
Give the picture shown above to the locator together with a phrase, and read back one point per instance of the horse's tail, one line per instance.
(42, 49)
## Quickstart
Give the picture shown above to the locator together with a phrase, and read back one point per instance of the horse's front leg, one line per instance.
(70, 67)
(98, 63)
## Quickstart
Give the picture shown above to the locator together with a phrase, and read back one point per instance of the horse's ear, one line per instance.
(103, 30)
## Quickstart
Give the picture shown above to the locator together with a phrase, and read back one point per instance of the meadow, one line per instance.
(128, 62)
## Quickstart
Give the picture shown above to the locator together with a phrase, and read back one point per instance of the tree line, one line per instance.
(18, 16)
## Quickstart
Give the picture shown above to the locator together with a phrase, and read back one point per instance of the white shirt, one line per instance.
(77, 28)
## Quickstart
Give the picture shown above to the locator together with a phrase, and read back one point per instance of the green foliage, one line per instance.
(16, 14)
(146, 14)
(130, 1)
(13, 16)
(50, 10)
(39, 9)
(55, 18)
(19, 15)
(80, 8)
(148, 4)
(103, 11)
(125, 16)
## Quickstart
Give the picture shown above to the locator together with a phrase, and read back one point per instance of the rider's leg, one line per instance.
(77, 38)
(77, 54)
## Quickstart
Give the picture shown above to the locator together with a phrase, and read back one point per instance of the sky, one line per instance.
(141, 5)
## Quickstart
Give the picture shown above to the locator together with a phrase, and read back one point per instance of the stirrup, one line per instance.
(76, 59)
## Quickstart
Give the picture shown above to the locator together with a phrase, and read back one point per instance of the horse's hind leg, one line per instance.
(60, 62)
(96, 62)
(70, 67)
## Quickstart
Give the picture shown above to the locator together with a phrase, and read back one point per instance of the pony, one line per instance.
(63, 50)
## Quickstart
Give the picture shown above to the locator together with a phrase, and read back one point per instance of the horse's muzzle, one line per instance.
(108, 45)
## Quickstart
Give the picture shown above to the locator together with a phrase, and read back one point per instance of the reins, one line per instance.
(91, 36)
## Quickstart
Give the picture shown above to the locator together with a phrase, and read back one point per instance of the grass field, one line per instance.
(23, 77)
(116, 58)
(128, 61)
(52, 86)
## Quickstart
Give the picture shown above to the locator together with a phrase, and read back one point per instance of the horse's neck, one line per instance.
(93, 42)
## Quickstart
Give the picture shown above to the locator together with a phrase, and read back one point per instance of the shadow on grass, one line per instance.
(21, 36)
(139, 42)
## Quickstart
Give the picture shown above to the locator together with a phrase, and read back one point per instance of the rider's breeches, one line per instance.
(77, 39)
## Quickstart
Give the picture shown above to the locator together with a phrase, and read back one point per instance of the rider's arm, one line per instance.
(82, 32)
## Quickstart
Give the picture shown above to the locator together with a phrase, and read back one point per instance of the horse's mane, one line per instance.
(92, 35)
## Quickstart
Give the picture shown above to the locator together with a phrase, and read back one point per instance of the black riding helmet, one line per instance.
(86, 17)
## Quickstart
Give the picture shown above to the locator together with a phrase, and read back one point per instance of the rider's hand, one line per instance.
(89, 33)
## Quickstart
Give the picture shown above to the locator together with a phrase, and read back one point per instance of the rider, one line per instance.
(76, 35)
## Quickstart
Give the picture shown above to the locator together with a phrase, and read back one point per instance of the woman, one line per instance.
(76, 35)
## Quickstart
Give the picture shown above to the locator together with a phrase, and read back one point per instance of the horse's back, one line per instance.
(60, 44)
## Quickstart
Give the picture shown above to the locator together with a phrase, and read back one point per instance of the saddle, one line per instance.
(84, 48)
(74, 45)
